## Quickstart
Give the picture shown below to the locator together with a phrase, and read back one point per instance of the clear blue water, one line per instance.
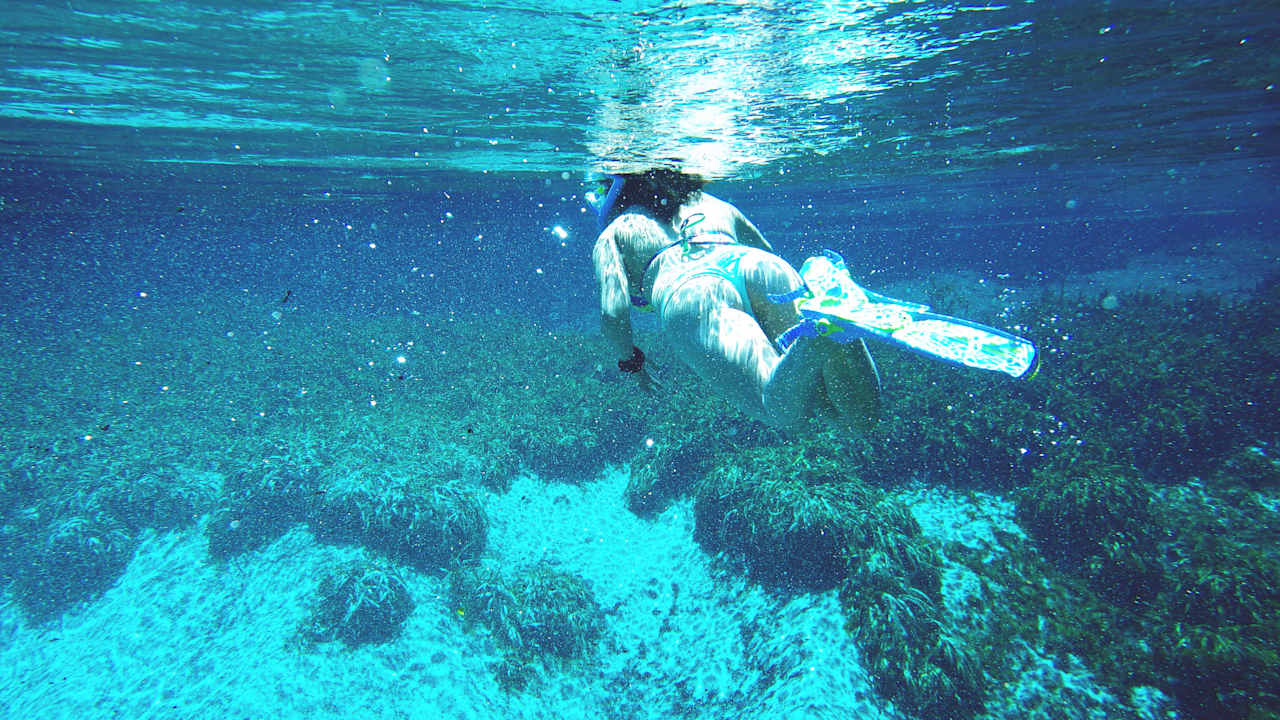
(378, 159)
(1026, 138)
(901, 131)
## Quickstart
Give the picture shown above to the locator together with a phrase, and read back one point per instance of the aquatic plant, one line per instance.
(548, 398)
(682, 447)
(1223, 672)
(498, 466)
(70, 516)
(583, 438)
(258, 505)
(799, 520)
(1193, 380)
(1186, 598)
(972, 430)
(892, 597)
(19, 487)
(657, 477)
(439, 526)
(1256, 466)
(559, 615)
(1097, 519)
(1028, 607)
(540, 614)
(364, 603)
(1220, 610)
(480, 593)
(70, 560)
(426, 527)
(789, 520)
(163, 497)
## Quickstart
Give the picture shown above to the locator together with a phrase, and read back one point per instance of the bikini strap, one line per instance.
(687, 239)
(685, 227)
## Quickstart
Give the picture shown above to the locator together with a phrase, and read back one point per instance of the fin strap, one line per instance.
(787, 297)
(804, 328)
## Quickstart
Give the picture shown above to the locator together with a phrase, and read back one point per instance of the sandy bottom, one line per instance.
(179, 637)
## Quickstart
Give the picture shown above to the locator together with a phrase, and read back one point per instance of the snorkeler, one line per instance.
(668, 247)
(782, 345)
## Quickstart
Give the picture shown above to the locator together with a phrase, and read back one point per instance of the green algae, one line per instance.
(365, 603)
(540, 617)
(1141, 459)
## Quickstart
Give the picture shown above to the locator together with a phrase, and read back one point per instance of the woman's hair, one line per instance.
(661, 191)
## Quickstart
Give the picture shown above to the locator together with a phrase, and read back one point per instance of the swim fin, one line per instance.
(832, 305)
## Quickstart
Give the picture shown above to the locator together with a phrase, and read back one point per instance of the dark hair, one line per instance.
(661, 191)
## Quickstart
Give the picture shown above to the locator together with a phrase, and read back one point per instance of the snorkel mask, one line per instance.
(602, 197)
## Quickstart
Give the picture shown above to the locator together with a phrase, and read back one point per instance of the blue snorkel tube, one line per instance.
(603, 206)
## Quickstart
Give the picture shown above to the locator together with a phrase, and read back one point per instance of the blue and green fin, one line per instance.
(832, 305)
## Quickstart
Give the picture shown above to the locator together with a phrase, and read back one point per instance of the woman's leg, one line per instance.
(853, 384)
(720, 341)
(850, 381)
(730, 346)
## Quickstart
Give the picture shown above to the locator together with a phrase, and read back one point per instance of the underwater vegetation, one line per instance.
(1143, 464)
(427, 528)
(804, 523)
(1134, 459)
(56, 566)
(538, 616)
(792, 529)
(564, 423)
(362, 604)
(1222, 601)
(799, 521)
(667, 470)
(397, 510)
(257, 506)
(1095, 519)
(70, 520)
(659, 477)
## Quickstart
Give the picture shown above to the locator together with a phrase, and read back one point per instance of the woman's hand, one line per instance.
(634, 365)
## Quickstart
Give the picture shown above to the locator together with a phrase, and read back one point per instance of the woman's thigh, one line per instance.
(720, 340)
(767, 274)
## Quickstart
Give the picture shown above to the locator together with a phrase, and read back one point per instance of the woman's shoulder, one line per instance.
(634, 221)
(711, 207)
(705, 202)
(634, 230)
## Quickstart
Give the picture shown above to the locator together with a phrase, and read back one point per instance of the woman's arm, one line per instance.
(747, 233)
(615, 299)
